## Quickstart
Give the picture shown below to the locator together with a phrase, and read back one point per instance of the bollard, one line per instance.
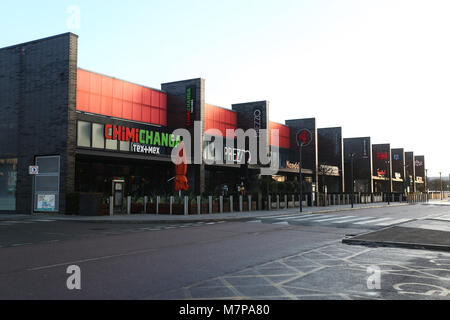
(348, 198)
(285, 202)
(334, 199)
(145, 204)
(293, 201)
(240, 203)
(231, 204)
(199, 205)
(329, 199)
(249, 203)
(186, 206)
(269, 202)
(128, 204)
(210, 204)
(278, 202)
(170, 204)
(157, 204)
(306, 198)
(221, 204)
(111, 205)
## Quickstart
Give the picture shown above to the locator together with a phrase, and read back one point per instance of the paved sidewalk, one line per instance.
(153, 218)
(431, 234)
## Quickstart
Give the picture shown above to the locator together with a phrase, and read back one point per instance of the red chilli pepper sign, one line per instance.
(304, 137)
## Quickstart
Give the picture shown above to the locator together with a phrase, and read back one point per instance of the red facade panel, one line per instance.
(283, 134)
(220, 119)
(107, 96)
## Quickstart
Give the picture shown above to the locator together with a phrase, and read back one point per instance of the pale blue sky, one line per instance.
(333, 60)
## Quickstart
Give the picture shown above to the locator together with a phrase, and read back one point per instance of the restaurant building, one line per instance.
(91, 133)
(67, 130)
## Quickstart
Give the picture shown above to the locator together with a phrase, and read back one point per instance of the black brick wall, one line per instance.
(330, 150)
(309, 153)
(362, 165)
(176, 119)
(40, 93)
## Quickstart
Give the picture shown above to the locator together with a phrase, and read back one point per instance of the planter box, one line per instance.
(104, 210)
(193, 208)
(178, 208)
(164, 208)
(151, 208)
(137, 208)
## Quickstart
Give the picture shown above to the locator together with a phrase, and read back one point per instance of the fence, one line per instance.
(438, 195)
(186, 205)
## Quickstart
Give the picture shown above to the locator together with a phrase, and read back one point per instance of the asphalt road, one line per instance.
(271, 258)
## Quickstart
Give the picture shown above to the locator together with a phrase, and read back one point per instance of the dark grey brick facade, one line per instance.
(310, 156)
(330, 151)
(37, 93)
(362, 165)
(176, 119)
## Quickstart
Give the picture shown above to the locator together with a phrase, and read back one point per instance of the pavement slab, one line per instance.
(404, 274)
(421, 234)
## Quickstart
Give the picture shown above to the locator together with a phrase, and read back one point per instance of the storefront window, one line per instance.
(8, 178)
(124, 145)
(84, 134)
(111, 144)
(98, 136)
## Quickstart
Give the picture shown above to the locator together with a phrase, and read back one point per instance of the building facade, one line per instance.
(90, 133)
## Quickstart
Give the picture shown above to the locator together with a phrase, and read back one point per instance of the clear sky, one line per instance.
(376, 68)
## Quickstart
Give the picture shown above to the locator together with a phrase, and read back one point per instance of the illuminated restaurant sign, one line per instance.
(190, 105)
(292, 165)
(142, 141)
(382, 155)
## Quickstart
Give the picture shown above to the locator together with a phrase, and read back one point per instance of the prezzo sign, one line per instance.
(237, 155)
(142, 141)
(257, 115)
(230, 155)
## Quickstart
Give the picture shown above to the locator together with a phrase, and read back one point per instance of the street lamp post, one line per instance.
(304, 138)
(300, 181)
(389, 181)
(352, 156)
